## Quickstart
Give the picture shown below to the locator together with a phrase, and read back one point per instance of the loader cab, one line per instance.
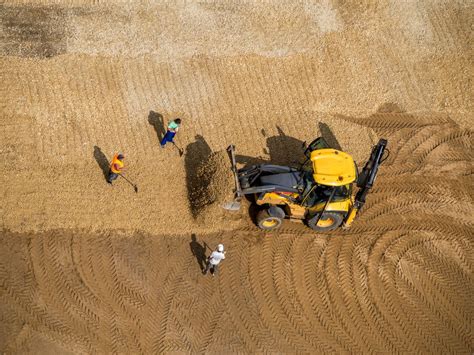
(332, 172)
(325, 160)
(318, 143)
(321, 193)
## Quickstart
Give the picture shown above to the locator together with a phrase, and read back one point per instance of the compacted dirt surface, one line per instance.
(88, 267)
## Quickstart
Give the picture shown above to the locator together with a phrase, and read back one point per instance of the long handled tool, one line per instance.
(181, 151)
(135, 187)
(207, 246)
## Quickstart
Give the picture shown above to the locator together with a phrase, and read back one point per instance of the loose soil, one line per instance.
(213, 186)
(88, 267)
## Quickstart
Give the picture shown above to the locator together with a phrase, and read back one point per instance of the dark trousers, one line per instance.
(213, 268)
(112, 176)
(168, 138)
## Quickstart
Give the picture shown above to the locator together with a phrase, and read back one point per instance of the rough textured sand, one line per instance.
(214, 184)
(86, 267)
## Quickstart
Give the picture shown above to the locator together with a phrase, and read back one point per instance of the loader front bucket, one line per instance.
(231, 206)
(235, 204)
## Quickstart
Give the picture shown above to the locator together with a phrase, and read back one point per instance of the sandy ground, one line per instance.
(87, 267)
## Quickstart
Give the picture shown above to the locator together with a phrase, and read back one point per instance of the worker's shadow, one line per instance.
(199, 251)
(196, 153)
(102, 161)
(156, 120)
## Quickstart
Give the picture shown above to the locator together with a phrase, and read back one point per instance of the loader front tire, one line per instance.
(328, 222)
(267, 222)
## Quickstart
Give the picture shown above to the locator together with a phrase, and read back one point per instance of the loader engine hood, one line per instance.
(289, 180)
(332, 167)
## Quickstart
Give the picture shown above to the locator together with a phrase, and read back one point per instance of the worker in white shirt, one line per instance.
(214, 259)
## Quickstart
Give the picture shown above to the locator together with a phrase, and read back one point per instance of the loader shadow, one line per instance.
(198, 251)
(155, 119)
(281, 150)
(253, 210)
(285, 150)
(102, 161)
(328, 136)
(246, 161)
(390, 107)
(195, 154)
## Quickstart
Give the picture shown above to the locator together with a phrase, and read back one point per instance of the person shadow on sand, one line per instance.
(102, 161)
(199, 251)
(155, 119)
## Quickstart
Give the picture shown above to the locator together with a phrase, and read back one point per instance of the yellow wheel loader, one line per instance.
(319, 192)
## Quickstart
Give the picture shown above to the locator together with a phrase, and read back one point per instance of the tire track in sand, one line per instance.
(400, 279)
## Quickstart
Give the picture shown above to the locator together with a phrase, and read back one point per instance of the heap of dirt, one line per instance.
(214, 185)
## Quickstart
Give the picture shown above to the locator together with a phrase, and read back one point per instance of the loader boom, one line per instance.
(366, 180)
(238, 189)
(235, 204)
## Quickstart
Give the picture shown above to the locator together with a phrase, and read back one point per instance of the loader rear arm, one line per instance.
(366, 180)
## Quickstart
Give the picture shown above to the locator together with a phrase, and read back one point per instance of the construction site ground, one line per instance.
(88, 267)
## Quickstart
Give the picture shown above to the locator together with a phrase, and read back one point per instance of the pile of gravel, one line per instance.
(214, 183)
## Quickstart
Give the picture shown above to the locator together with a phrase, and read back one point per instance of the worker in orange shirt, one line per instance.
(115, 167)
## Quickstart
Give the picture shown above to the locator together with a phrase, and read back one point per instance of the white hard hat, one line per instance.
(220, 248)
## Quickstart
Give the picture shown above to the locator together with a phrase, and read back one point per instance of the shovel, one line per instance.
(181, 152)
(135, 187)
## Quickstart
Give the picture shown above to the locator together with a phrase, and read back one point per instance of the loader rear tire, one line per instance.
(267, 222)
(328, 222)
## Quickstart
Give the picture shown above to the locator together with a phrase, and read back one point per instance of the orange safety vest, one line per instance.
(116, 162)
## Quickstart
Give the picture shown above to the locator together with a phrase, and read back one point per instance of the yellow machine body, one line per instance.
(342, 206)
(273, 198)
(332, 167)
(298, 211)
